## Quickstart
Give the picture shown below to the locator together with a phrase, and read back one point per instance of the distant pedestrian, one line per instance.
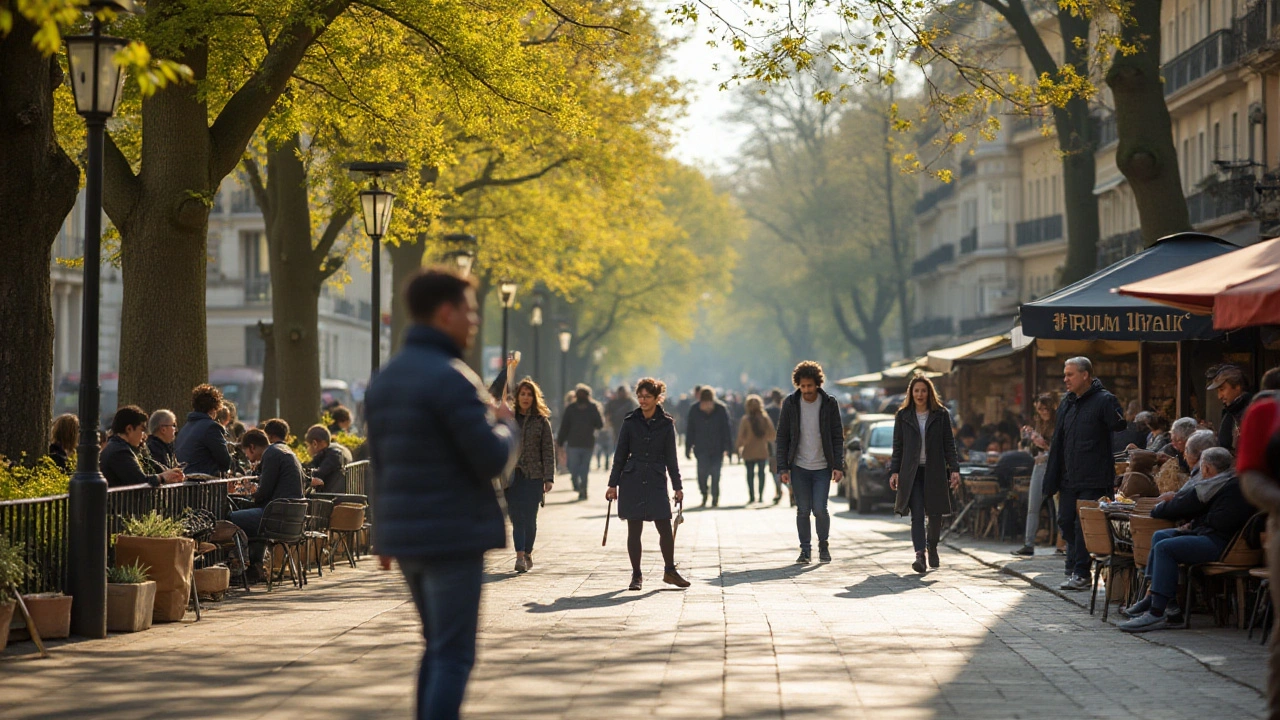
(438, 446)
(582, 418)
(646, 457)
(1080, 465)
(810, 454)
(1036, 439)
(924, 467)
(63, 439)
(774, 411)
(535, 471)
(615, 413)
(755, 432)
(708, 437)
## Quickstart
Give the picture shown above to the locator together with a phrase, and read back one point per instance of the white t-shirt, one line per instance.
(809, 455)
(923, 419)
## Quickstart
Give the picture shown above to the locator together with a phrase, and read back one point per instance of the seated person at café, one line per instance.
(119, 459)
(1012, 464)
(1138, 480)
(1159, 436)
(279, 477)
(201, 443)
(1181, 430)
(328, 460)
(162, 429)
(341, 420)
(1217, 510)
(1199, 441)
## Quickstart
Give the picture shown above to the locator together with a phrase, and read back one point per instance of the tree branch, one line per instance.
(337, 222)
(486, 178)
(120, 187)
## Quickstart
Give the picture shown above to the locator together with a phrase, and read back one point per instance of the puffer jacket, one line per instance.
(1080, 455)
(436, 451)
(537, 449)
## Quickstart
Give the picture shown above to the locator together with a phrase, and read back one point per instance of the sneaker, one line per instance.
(1145, 623)
(1024, 551)
(1137, 609)
(671, 577)
(777, 499)
(636, 581)
(934, 560)
(804, 558)
(704, 502)
(1075, 584)
(520, 566)
(918, 565)
(528, 561)
(824, 553)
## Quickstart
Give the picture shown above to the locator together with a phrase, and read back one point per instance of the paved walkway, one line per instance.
(754, 637)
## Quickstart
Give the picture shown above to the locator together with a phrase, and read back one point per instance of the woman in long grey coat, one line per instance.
(645, 456)
(924, 466)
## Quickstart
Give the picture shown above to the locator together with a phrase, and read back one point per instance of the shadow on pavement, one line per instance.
(613, 598)
(885, 584)
(786, 572)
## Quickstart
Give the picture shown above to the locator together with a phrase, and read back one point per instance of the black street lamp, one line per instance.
(375, 207)
(566, 337)
(506, 294)
(535, 321)
(96, 81)
(463, 254)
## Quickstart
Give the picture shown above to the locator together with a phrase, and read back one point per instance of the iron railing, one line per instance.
(1216, 51)
(1114, 248)
(1030, 232)
(969, 242)
(1221, 199)
(930, 326)
(930, 262)
(933, 197)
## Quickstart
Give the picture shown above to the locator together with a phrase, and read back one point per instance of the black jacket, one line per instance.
(645, 457)
(940, 459)
(828, 426)
(162, 452)
(121, 467)
(328, 466)
(202, 445)
(579, 424)
(708, 435)
(60, 457)
(279, 475)
(1232, 415)
(1222, 517)
(1080, 454)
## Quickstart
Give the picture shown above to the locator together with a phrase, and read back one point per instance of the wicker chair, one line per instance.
(1141, 529)
(1099, 541)
(1236, 561)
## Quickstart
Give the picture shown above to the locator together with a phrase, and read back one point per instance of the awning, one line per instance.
(1108, 184)
(943, 360)
(890, 376)
(1088, 310)
(1241, 289)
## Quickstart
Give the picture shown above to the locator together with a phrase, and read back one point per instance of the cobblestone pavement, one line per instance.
(756, 636)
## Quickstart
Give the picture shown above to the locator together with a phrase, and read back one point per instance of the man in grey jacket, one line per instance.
(438, 443)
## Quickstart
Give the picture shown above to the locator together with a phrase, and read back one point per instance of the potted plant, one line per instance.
(13, 570)
(157, 542)
(131, 598)
(50, 613)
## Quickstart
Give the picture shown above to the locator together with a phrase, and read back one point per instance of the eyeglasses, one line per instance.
(166, 426)
(645, 397)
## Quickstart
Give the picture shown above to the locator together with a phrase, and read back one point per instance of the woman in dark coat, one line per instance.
(535, 470)
(645, 456)
(924, 455)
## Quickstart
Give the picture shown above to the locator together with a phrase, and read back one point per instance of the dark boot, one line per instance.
(934, 560)
(671, 577)
(824, 552)
(636, 581)
(918, 565)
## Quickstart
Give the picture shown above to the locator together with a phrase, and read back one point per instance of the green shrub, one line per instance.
(13, 568)
(128, 574)
(153, 525)
(19, 481)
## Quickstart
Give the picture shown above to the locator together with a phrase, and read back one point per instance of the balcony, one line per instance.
(257, 289)
(1114, 248)
(1105, 130)
(1252, 30)
(1032, 232)
(930, 326)
(930, 262)
(243, 201)
(1221, 199)
(1212, 53)
(933, 197)
(969, 242)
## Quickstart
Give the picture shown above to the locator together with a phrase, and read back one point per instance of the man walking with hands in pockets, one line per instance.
(810, 454)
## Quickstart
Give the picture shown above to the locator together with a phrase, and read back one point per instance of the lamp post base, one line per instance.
(87, 554)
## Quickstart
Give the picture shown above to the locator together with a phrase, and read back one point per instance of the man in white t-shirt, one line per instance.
(810, 454)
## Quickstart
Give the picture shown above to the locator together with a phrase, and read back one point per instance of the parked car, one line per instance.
(854, 443)
(870, 484)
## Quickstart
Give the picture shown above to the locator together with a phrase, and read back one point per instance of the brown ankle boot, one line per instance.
(671, 577)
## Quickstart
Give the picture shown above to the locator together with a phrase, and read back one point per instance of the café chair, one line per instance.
(1234, 563)
(1141, 529)
(345, 524)
(284, 524)
(319, 511)
(1262, 599)
(1099, 542)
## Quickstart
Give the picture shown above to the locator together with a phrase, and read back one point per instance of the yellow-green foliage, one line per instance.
(13, 567)
(42, 479)
(153, 525)
(128, 574)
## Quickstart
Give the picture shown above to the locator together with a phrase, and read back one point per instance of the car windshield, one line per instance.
(881, 437)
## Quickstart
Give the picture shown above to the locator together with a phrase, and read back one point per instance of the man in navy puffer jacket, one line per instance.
(437, 446)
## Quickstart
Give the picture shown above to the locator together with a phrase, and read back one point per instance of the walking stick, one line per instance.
(26, 616)
(608, 514)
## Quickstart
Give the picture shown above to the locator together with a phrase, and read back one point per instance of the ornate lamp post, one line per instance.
(566, 337)
(507, 295)
(96, 82)
(464, 254)
(375, 208)
(535, 321)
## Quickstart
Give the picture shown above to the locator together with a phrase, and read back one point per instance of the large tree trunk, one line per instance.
(1146, 153)
(270, 398)
(897, 244)
(37, 190)
(406, 259)
(1077, 142)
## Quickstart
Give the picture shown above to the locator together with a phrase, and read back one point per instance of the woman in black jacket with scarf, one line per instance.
(924, 460)
(646, 455)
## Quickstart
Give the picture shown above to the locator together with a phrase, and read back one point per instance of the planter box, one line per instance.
(170, 561)
(212, 581)
(130, 606)
(6, 615)
(51, 613)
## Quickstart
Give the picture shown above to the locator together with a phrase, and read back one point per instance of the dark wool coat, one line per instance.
(646, 455)
(1080, 453)
(940, 454)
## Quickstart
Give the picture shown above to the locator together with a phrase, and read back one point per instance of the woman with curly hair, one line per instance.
(535, 470)
(645, 457)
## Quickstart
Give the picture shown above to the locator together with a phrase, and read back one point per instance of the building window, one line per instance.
(257, 267)
(1235, 136)
(255, 348)
(1217, 142)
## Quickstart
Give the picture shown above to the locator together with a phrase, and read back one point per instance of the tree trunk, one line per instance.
(406, 259)
(1077, 141)
(896, 243)
(270, 394)
(37, 191)
(1146, 153)
(474, 356)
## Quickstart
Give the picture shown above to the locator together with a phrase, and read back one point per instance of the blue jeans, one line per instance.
(754, 466)
(709, 475)
(579, 465)
(524, 523)
(1168, 551)
(447, 593)
(811, 489)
